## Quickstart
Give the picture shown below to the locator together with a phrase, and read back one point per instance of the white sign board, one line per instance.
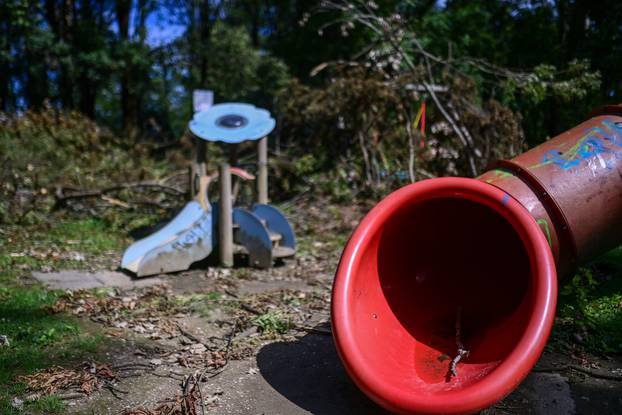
(202, 99)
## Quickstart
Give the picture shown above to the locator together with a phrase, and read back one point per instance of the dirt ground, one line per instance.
(259, 342)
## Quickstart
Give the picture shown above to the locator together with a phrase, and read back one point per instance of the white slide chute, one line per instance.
(186, 239)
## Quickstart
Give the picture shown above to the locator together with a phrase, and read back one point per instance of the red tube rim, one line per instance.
(519, 362)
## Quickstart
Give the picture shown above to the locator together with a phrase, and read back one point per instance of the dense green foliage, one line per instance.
(345, 96)
(109, 60)
(95, 96)
(42, 151)
(571, 42)
(515, 73)
(590, 307)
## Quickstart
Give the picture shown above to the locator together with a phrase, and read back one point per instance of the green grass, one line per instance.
(55, 245)
(589, 314)
(51, 404)
(38, 340)
(202, 304)
(92, 235)
(333, 241)
(271, 323)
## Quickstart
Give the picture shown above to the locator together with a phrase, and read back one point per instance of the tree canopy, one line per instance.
(132, 64)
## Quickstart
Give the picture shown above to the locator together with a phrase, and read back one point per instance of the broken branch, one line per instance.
(462, 351)
(62, 197)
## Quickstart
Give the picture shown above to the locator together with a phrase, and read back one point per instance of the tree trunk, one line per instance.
(5, 69)
(87, 96)
(255, 19)
(204, 33)
(59, 17)
(576, 28)
(128, 112)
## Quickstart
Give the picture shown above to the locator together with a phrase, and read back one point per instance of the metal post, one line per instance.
(225, 219)
(262, 170)
(233, 161)
(198, 167)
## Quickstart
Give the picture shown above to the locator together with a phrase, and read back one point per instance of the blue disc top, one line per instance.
(232, 123)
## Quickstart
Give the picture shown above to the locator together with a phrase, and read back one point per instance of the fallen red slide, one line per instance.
(445, 294)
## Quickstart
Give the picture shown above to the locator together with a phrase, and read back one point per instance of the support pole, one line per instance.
(233, 162)
(262, 167)
(199, 165)
(225, 218)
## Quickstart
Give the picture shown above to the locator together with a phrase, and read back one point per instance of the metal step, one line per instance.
(277, 251)
(282, 252)
(275, 237)
(263, 222)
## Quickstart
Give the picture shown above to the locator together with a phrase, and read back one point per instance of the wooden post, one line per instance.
(199, 165)
(225, 218)
(262, 170)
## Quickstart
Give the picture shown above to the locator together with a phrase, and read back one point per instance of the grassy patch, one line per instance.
(271, 323)
(186, 300)
(51, 404)
(92, 235)
(72, 243)
(202, 304)
(37, 340)
(589, 313)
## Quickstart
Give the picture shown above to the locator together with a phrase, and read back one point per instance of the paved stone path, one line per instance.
(79, 280)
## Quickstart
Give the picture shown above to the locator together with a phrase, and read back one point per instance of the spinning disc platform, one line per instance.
(232, 123)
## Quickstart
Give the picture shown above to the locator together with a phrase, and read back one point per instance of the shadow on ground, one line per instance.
(310, 375)
(308, 372)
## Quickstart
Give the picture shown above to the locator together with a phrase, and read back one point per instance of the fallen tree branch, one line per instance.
(133, 365)
(70, 396)
(115, 391)
(315, 330)
(250, 309)
(169, 375)
(213, 375)
(62, 197)
(462, 351)
(192, 337)
(408, 49)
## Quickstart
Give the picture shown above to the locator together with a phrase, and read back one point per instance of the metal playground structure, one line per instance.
(200, 228)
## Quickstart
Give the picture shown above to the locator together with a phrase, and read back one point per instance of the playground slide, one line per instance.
(445, 294)
(186, 239)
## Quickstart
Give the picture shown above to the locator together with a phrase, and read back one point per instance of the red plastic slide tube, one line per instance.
(445, 294)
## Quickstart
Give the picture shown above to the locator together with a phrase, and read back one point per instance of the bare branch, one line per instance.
(391, 31)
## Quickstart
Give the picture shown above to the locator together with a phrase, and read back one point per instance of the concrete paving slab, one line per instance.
(292, 378)
(258, 287)
(78, 280)
(541, 394)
